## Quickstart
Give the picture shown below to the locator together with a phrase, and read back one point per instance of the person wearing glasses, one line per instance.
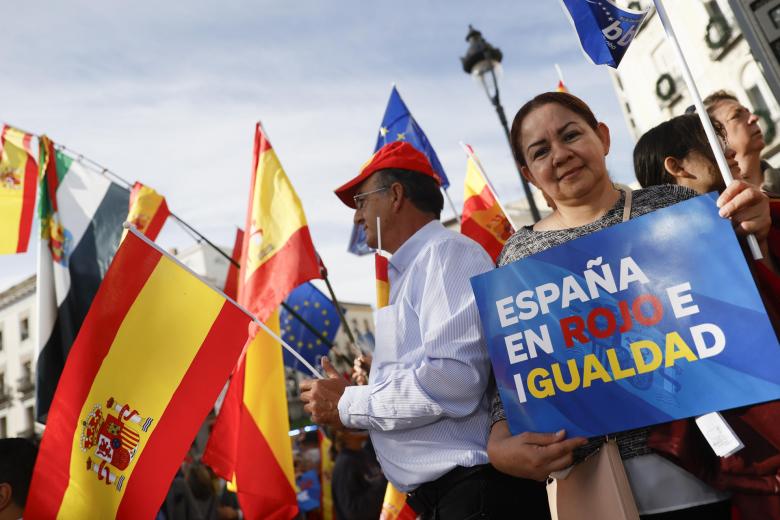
(746, 137)
(425, 405)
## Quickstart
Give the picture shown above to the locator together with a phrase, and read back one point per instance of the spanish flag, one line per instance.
(148, 210)
(394, 506)
(249, 444)
(561, 87)
(382, 280)
(18, 182)
(150, 359)
(483, 219)
(278, 254)
(326, 477)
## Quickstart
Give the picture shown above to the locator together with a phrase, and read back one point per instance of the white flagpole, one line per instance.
(560, 73)
(481, 171)
(243, 309)
(703, 116)
(452, 204)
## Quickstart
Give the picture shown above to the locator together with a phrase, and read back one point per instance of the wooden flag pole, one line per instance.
(723, 166)
(481, 171)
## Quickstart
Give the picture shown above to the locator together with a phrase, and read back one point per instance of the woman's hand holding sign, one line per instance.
(530, 455)
(748, 209)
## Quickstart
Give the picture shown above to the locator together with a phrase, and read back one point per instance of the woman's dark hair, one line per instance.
(564, 99)
(674, 138)
(421, 189)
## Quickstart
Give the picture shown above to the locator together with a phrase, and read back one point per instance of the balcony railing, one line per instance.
(26, 386)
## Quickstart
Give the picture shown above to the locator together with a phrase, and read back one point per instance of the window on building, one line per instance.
(24, 328)
(2, 385)
(27, 370)
(1, 340)
(3, 427)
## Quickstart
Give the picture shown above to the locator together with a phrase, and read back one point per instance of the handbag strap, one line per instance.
(626, 204)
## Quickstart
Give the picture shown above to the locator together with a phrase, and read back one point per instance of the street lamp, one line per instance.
(482, 60)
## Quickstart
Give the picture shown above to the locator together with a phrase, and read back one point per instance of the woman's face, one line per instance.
(564, 156)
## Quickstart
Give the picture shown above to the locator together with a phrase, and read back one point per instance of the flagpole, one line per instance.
(452, 204)
(481, 171)
(131, 228)
(720, 158)
(353, 346)
(560, 73)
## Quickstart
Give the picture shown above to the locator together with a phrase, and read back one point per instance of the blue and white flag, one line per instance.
(398, 124)
(605, 30)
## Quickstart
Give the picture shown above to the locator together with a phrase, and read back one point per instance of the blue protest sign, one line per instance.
(641, 323)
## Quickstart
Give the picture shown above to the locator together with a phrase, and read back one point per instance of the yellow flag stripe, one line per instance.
(265, 395)
(273, 195)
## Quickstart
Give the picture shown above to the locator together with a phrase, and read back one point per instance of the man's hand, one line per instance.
(360, 369)
(321, 396)
(530, 455)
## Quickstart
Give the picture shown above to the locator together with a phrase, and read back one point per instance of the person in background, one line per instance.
(677, 151)
(358, 484)
(562, 148)
(17, 460)
(745, 137)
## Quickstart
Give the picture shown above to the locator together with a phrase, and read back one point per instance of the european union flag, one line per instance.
(319, 311)
(605, 30)
(398, 125)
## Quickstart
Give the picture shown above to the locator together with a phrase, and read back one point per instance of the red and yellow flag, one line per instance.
(150, 359)
(148, 210)
(382, 280)
(278, 254)
(394, 506)
(18, 183)
(326, 477)
(561, 87)
(249, 443)
(483, 220)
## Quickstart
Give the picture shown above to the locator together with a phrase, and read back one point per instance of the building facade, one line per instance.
(18, 354)
(649, 83)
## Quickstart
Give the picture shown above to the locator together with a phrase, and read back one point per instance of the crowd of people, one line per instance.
(430, 404)
(425, 414)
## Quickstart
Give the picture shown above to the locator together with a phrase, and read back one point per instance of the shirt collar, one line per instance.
(413, 245)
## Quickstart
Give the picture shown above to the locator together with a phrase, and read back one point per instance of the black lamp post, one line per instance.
(482, 60)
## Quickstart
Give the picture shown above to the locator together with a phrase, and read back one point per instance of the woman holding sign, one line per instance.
(561, 148)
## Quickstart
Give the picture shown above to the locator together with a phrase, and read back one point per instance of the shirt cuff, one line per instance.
(353, 407)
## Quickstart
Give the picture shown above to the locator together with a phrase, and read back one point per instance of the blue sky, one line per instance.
(168, 95)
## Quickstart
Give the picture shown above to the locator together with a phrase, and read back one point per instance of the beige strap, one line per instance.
(627, 205)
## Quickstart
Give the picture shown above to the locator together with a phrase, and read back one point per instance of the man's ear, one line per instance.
(674, 167)
(5, 495)
(397, 196)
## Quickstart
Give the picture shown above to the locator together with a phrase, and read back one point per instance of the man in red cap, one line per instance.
(425, 404)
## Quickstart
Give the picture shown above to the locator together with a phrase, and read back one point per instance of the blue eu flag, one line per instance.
(319, 311)
(605, 30)
(398, 125)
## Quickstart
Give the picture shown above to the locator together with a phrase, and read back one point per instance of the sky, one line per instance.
(168, 94)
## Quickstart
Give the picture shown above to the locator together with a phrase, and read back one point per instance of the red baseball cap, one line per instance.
(398, 154)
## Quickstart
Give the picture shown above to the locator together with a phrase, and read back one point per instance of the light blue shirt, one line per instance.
(425, 405)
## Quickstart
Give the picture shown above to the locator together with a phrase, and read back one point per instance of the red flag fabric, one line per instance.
(249, 443)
